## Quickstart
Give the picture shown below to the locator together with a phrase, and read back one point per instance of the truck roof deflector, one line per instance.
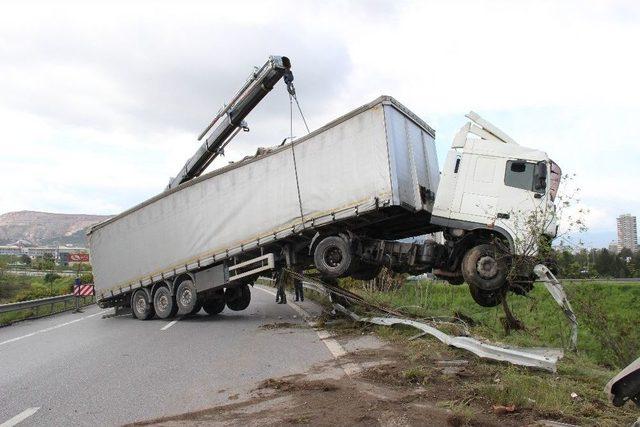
(487, 127)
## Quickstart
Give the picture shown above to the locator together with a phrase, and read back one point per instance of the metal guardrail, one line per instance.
(29, 272)
(67, 299)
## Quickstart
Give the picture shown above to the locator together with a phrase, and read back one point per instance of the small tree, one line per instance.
(531, 245)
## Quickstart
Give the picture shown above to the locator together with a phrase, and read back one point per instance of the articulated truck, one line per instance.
(345, 200)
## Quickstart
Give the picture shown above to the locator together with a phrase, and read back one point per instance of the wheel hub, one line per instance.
(487, 267)
(333, 256)
(141, 305)
(163, 302)
(185, 298)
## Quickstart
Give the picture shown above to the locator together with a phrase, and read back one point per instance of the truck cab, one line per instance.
(492, 189)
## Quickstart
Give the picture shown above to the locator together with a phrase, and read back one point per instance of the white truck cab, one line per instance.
(494, 188)
(489, 181)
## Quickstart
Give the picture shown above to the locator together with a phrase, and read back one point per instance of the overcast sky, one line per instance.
(101, 103)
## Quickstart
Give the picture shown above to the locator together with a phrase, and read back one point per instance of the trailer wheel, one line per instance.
(485, 298)
(332, 257)
(164, 303)
(140, 306)
(484, 267)
(237, 298)
(214, 306)
(186, 297)
(197, 308)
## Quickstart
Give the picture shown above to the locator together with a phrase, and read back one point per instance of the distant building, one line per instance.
(64, 255)
(11, 250)
(627, 232)
(613, 247)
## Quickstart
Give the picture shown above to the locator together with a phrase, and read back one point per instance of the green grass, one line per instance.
(608, 339)
(608, 316)
(16, 288)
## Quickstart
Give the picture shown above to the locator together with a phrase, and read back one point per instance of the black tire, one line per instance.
(455, 280)
(197, 308)
(367, 272)
(332, 257)
(164, 303)
(485, 298)
(214, 304)
(237, 298)
(186, 297)
(485, 267)
(140, 306)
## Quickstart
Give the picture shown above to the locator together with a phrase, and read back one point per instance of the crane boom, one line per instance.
(254, 90)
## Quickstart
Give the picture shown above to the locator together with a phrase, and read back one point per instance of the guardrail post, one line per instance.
(76, 292)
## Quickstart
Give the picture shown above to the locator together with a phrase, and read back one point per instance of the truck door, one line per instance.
(519, 201)
(478, 197)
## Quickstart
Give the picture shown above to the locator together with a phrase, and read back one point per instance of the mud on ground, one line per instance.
(388, 391)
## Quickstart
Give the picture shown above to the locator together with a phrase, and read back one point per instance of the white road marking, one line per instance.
(51, 328)
(168, 325)
(20, 417)
(333, 346)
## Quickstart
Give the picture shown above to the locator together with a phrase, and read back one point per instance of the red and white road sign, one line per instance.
(79, 257)
(83, 290)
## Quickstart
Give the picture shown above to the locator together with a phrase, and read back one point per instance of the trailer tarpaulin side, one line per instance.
(344, 164)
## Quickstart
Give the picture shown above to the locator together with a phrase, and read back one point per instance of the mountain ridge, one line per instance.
(47, 228)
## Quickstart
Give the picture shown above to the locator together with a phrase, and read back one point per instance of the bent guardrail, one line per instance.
(41, 307)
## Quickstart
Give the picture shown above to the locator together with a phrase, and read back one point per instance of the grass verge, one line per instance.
(608, 340)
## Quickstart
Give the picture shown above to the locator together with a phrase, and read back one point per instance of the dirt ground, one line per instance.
(386, 391)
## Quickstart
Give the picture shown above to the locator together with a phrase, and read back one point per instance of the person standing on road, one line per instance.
(281, 296)
(297, 286)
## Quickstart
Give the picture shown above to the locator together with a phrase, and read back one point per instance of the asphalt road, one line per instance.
(81, 369)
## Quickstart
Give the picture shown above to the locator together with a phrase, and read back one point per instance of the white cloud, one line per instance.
(101, 102)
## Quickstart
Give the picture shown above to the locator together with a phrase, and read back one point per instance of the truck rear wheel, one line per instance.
(237, 298)
(186, 297)
(214, 303)
(140, 306)
(485, 268)
(164, 303)
(332, 257)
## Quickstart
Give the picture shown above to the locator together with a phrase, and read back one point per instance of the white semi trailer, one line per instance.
(338, 200)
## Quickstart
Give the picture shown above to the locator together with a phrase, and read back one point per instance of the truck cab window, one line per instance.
(520, 174)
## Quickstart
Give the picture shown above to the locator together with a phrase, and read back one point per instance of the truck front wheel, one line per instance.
(485, 298)
(164, 303)
(140, 306)
(485, 268)
(333, 257)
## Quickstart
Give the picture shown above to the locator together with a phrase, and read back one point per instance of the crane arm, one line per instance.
(230, 119)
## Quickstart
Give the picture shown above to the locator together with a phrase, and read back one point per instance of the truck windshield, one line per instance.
(556, 174)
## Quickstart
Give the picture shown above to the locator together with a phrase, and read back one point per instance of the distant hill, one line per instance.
(44, 228)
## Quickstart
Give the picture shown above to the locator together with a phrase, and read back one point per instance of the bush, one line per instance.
(51, 277)
(36, 291)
